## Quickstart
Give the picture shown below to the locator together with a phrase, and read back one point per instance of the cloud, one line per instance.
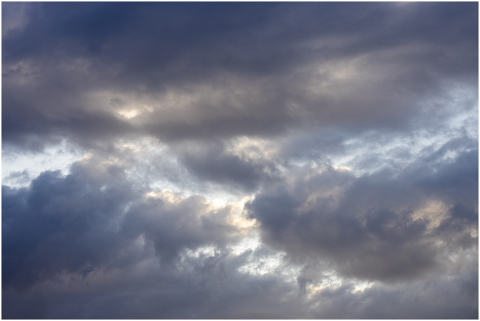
(288, 74)
(416, 300)
(211, 162)
(85, 220)
(367, 226)
(81, 244)
(240, 160)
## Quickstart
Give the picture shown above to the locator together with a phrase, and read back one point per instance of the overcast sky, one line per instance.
(239, 160)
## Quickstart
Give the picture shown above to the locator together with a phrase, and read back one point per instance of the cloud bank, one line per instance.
(240, 160)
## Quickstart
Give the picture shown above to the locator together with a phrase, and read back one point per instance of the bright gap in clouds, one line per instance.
(458, 122)
(54, 158)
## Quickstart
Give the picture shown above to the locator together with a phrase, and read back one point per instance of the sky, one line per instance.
(240, 160)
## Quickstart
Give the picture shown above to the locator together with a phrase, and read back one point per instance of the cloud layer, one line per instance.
(240, 160)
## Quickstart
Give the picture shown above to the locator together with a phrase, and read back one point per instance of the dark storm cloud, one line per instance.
(272, 53)
(208, 287)
(211, 287)
(366, 226)
(61, 216)
(85, 220)
(234, 101)
(89, 245)
(93, 232)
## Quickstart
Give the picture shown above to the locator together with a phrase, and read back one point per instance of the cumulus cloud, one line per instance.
(81, 222)
(369, 226)
(240, 160)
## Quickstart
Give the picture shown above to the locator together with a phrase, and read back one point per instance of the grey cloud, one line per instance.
(83, 232)
(215, 99)
(18, 177)
(81, 222)
(433, 299)
(211, 162)
(366, 228)
(275, 48)
(69, 223)
(173, 227)
(71, 249)
(208, 287)
(456, 181)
